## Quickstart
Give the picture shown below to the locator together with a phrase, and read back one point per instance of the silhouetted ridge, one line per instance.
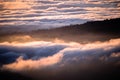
(90, 31)
(107, 26)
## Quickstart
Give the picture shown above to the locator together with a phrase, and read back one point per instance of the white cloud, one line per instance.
(21, 64)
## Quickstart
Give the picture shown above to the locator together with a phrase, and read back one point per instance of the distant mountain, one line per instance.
(90, 31)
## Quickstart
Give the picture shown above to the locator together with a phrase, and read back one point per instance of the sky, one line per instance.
(56, 13)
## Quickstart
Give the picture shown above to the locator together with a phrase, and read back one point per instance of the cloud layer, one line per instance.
(35, 55)
(48, 60)
(56, 13)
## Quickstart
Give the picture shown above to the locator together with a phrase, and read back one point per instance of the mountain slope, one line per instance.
(88, 32)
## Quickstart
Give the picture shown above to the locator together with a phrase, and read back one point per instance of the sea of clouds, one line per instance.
(41, 59)
(35, 55)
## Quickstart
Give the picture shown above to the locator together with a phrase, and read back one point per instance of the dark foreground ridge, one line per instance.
(91, 72)
(90, 31)
(6, 75)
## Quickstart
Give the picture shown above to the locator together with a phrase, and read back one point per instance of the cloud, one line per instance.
(48, 60)
(31, 50)
(17, 5)
(115, 54)
(40, 54)
(21, 64)
(79, 11)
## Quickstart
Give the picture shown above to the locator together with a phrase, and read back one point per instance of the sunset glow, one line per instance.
(54, 13)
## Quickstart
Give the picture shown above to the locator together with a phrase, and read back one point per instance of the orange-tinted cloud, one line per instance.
(63, 53)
